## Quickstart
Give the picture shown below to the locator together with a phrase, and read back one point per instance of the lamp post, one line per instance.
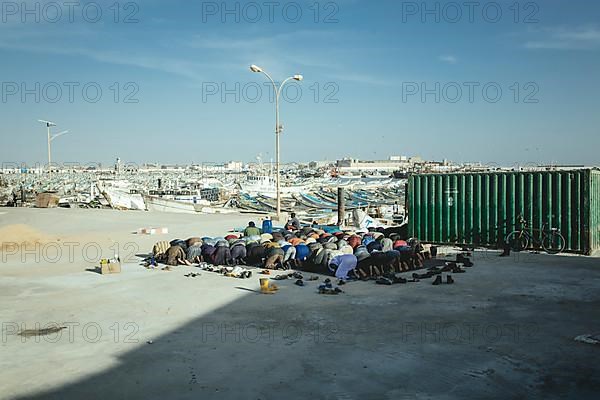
(278, 127)
(50, 139)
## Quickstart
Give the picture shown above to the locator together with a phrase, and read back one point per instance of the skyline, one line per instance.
(187, 63)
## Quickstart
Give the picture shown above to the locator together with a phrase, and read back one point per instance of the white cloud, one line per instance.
(450, 59)
(580, 38)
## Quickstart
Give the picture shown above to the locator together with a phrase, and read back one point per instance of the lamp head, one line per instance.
(255, 68)
(299, 78)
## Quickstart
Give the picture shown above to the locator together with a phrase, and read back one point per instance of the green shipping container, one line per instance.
(481, 208)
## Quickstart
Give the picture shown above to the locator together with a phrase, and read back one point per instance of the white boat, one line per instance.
(162, 204)
(122, 200)
(267, 186)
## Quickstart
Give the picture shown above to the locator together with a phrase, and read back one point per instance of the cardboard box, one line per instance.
(110, 268)
(46, 200)
(153, 231)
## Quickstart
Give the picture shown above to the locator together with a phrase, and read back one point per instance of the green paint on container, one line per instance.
(480, 208)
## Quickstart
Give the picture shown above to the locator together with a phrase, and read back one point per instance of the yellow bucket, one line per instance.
(264, 284)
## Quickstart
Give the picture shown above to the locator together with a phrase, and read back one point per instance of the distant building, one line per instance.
(320, 164)
(395, 163)
(234, 166)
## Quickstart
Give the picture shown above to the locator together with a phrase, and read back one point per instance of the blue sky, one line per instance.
(362, 62)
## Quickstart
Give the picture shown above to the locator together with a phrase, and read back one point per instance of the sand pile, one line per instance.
(21, 236)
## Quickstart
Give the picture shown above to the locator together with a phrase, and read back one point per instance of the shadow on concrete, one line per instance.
(95, 270)
(366, 344)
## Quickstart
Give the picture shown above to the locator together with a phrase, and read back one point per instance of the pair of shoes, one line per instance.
(192, 275)
(325, 290)
(246, 274)
(281, 277)
(313, 278)
(464, 260)
(439, 281)
(265, 272)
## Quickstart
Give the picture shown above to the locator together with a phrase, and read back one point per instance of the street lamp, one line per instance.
(50, 139)
(278, 127)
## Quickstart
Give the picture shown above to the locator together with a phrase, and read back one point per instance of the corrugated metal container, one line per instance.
(467, 208)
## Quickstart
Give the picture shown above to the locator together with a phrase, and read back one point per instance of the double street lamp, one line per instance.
(51, 138)
(278, 127)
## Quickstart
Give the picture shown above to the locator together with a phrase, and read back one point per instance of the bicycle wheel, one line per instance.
(517, 241)
(554, 243)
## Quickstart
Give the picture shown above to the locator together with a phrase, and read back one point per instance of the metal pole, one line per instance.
(49, 151)
(278, 131)
(341, 207)
(277, 151)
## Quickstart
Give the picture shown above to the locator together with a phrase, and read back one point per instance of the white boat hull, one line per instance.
(173, 206)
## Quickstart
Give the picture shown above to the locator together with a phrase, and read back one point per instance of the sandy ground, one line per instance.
(505, 330)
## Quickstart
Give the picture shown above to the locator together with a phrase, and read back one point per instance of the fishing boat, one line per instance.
(161, 204)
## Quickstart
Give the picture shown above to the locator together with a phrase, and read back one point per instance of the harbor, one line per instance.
(337, 200)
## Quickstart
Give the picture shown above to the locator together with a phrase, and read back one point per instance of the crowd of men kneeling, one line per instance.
(344, 254)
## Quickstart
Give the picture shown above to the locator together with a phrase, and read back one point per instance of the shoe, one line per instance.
(464, 260)
(313, 278)
(384, 281)
(449, 267)
(399, 279)
(449, 280)
(299, 282)
(341, 282)
(297, 275)
(438, 280)
(326, 290)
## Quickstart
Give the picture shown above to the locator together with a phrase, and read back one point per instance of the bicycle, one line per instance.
(552, 241)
